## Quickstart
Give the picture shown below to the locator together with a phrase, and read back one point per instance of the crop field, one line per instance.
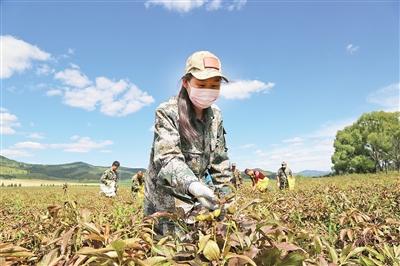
(343, 220)
(41, 182)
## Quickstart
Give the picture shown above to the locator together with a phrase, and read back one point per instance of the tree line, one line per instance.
(370, 145)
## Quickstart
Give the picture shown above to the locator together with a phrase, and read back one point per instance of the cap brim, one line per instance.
(208, 73)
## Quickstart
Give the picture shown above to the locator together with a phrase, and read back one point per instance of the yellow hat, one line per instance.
(204, 65)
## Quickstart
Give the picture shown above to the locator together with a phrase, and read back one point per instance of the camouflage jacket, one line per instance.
(109, 175)
(137, 183)
(236, 177)
(281, 173)
(175, 164)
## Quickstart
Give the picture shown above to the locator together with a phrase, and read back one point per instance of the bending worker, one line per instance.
(137, 182)
(258, 179)
(189, 139)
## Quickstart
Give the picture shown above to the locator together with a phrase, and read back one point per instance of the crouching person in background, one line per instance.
(137, 188)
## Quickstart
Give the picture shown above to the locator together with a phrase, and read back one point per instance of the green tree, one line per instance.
(371, 144)
(395, 151)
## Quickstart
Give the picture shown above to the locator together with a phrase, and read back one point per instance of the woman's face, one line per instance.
(211, 83)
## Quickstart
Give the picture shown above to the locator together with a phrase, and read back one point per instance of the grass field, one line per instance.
(40, 182)
(346, 220)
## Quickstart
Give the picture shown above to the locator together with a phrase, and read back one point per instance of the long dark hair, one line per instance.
(186, 113)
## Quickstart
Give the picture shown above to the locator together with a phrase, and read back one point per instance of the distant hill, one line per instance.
(77, 171)
(313, 173)
(84, 172)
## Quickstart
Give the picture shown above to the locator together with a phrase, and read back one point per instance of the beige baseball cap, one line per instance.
(204, 65)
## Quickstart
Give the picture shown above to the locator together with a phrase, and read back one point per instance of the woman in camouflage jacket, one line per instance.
(189, 140)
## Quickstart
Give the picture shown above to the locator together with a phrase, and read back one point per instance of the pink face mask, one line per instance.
(202, 97)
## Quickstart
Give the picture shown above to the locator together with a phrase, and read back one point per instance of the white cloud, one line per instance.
(237, 5)
(247, 146)
(243, 89)
(31, 145)
(72, 65)
(13, 89)
(312, 151)
(82, 98)
(78, 144)
(8, 122)
(75, 137)
(82, 145)
(214, 5)
(44, 69)
(54, 92)
(184, 6)
(70, 52)
(17, 55)
(388, 97)
(300, 156)
(351, 48)
(35, 135)
(73, 77)
(112, 98)
(293, 140)
(329, 129)
(14, 153)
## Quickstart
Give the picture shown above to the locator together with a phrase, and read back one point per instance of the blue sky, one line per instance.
(80, 80)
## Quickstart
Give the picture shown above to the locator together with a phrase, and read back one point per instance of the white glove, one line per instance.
(204, 194)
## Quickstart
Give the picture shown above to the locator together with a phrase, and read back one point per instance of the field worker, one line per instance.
(283, 175)
(109, 181)
(65, 188)
(236, 176)
(258, 179)
(189, 139)
(137, 182)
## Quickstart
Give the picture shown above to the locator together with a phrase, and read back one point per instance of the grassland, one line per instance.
(42, 182)
(346, 220)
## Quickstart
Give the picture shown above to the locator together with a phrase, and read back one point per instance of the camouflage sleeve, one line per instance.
(168, 156)
(219, 166)
(105, 177)
(134, 186)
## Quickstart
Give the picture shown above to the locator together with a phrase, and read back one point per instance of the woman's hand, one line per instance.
(204, 194)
